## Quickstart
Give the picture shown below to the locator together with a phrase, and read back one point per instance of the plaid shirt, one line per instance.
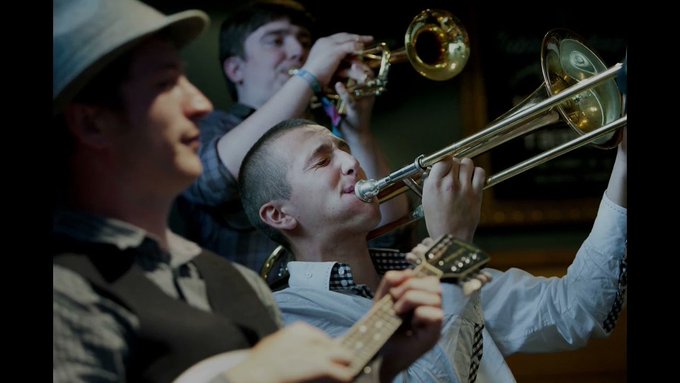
(211, 207)
(341, 278)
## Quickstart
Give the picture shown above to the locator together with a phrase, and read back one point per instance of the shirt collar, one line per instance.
(313, 275)
(87, 227)
(327, 275)
(385, 260)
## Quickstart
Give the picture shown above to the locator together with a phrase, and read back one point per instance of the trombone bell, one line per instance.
(565, 61)
(576, 84)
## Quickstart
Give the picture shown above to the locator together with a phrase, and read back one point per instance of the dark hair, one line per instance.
(249, 17)
(262, 178)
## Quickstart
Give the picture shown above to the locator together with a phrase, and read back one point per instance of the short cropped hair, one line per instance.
(262, 177)
(236, 28)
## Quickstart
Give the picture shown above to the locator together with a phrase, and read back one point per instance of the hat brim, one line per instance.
(181, 29)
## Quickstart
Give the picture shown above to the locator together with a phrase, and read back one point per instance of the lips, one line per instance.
(349, 189)
(194, 142)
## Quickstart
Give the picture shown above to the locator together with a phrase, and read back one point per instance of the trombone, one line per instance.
(577, 88)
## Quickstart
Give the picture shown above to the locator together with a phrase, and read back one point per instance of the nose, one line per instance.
(195, 104)
(348, 164)
(294, 48)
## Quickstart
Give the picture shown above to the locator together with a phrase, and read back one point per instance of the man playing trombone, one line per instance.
(310, 207)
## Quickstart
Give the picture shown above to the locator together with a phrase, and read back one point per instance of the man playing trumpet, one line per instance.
(261, 44)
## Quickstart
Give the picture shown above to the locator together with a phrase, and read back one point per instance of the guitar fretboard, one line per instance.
(371, 332)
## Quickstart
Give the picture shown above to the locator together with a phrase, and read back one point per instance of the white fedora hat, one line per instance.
(88, 34)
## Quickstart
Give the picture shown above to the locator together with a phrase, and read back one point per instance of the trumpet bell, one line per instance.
(565, 61)
(437, 44)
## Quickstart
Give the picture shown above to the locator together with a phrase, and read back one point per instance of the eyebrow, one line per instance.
(303, 32)
(172, 65)
(159, 68)
(274, 32)
(343, 145)
(321, 149)
(327, 147)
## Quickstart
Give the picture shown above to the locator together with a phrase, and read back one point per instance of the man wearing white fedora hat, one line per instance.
(131, 300)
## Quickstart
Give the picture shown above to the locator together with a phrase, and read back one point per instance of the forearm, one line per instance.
(291, 101)
(555, 314)
(617, 187)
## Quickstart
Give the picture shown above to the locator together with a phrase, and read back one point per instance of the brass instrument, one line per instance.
(435, 43)
(577, 88)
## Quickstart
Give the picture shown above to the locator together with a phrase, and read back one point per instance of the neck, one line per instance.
(116, 196)
(351, 249)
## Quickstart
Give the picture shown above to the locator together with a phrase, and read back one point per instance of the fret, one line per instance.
(371, 332)
(366, 337)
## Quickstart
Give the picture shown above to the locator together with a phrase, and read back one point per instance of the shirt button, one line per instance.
(308, 274)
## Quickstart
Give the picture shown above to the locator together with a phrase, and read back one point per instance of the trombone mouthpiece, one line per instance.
(366, 190)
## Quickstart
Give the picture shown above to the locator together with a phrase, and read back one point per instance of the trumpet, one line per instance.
(435, 43)
(577, 88)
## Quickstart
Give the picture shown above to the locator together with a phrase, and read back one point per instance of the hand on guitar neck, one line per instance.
(405, 322)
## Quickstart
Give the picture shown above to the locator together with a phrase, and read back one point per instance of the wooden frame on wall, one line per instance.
(505, 67)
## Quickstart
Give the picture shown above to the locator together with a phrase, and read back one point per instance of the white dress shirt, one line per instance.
(521, 312)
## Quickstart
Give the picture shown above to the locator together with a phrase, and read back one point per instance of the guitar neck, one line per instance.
(371, 332)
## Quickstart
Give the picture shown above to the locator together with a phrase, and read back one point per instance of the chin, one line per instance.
(192, 169)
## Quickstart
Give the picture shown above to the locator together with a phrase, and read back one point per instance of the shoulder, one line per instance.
(75, 302)
(252, 277)
(70, 284)
(262, 290)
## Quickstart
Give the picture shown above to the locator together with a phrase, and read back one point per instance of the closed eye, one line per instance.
(322, 162)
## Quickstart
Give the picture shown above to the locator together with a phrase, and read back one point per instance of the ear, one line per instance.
(233, 69)
(87, 124)
(274, 214)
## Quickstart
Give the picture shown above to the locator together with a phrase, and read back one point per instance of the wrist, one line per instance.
(310, 78)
